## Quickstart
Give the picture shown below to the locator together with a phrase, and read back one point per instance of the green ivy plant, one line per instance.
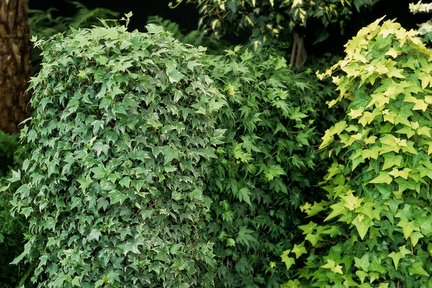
(375, 227)
(122, 131)
(266, 166)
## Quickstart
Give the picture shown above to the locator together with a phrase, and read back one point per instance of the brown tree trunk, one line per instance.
(15, 63)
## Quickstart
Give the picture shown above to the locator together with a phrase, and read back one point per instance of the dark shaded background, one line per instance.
(187, 17)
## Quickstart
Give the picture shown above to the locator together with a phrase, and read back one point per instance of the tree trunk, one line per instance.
(15, 63)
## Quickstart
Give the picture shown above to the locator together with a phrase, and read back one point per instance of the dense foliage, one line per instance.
(269, 19)
(11, 229)
(375, 228)
(121, 135)
(8, 146)
(266, 166)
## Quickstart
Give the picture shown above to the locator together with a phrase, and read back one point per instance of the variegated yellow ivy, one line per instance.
(375, 227)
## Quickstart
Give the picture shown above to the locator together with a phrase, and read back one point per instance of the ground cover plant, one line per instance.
(267, 165)
(375, 227)
(121, 133)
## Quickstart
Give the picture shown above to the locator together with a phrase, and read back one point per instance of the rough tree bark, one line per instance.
(15, 63)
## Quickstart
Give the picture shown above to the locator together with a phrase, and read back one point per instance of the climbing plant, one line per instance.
(122, 131)
(267, 165)
(375, 227)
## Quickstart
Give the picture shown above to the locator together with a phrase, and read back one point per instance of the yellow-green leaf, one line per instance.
(382, 177)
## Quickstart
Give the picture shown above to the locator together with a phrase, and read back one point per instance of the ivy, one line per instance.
(374, 229)
(122, 131)
(266, 166)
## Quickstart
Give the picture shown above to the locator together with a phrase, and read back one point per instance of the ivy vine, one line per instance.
(375, 227)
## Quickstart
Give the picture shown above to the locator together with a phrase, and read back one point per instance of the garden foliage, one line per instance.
(375, 227)
(266, 167)
(121, 135)
(269, 19)
(11, 229)
(8, 146)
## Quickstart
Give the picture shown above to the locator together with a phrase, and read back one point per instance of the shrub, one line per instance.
(375, 227)
(121, 136)
(266, 167)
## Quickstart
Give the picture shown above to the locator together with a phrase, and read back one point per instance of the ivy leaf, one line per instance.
(273, 171)
(311, 210)
(16, 176)
(382, 177)
(337, 209)
(335, 130)
(390, 160)
(407, 227)
(246, 237)
(101, 148)
(333, 266)
(396, 258)
(404, 173)
(289, 261)
(417, 269)
(19, 258)
(298, 250)
(362, 223)
(132, 247)
(174, 75)
(351, 202)
(363, 262)
(244, 195)
(99, 172)
(94, 235)
(308, 228)
(116, 196)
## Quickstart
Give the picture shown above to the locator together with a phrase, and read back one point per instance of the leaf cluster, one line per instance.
(267, 165)
(122, 131)
(374, 228)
